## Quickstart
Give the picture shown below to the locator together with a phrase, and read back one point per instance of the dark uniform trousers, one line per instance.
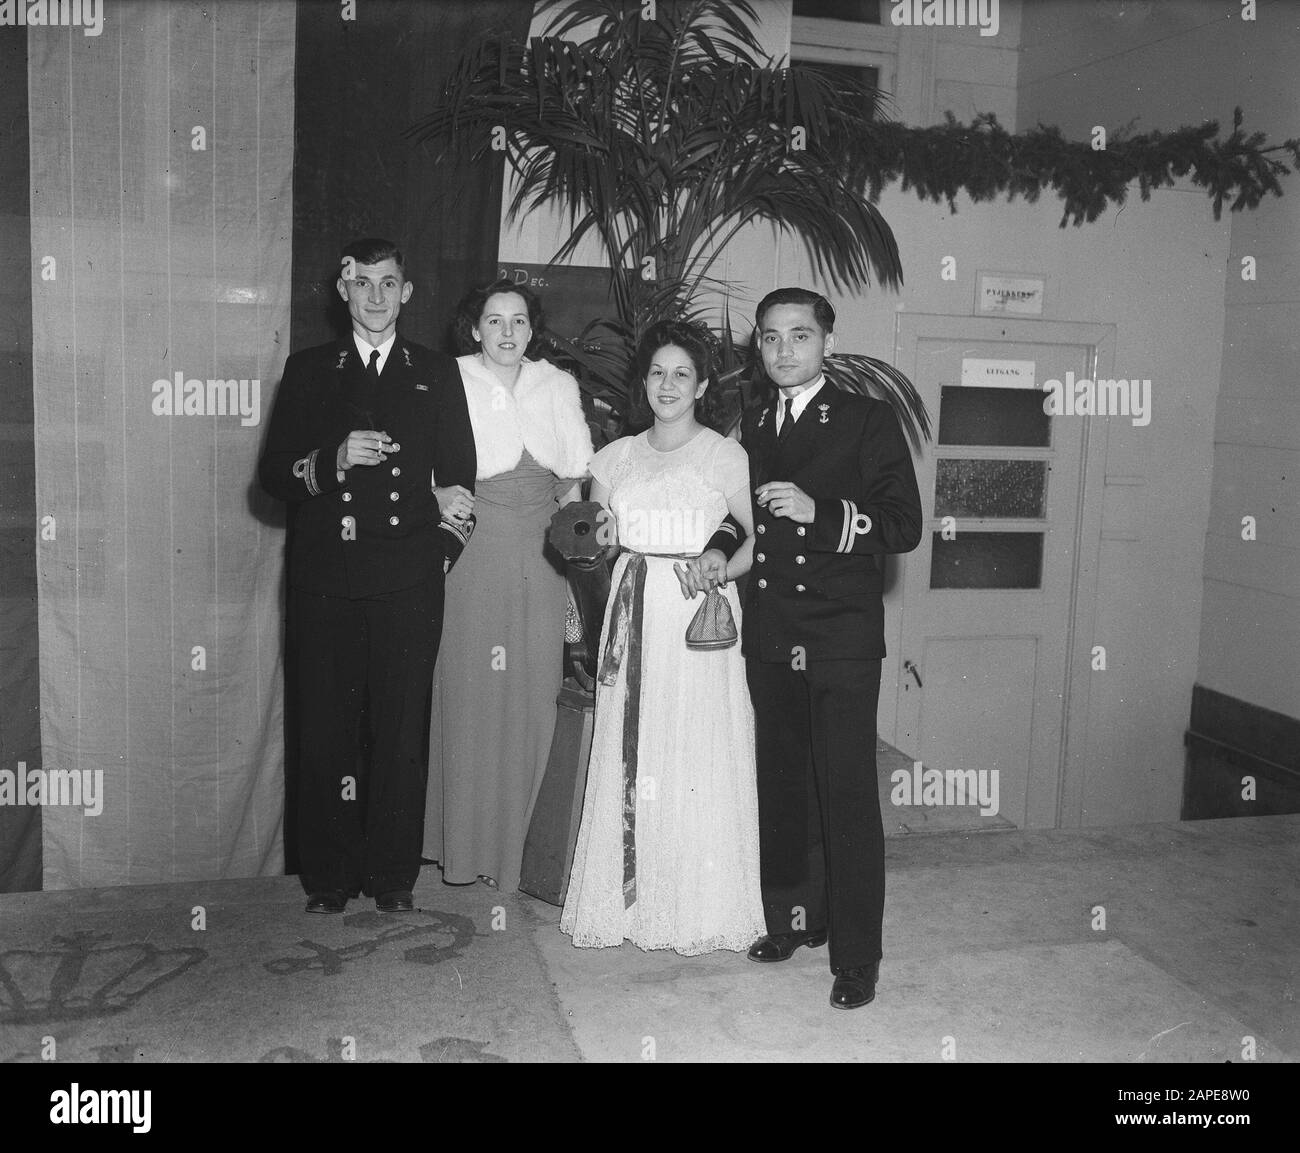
(363, 828)
(813, 639)
(823, 845)
(365, 601)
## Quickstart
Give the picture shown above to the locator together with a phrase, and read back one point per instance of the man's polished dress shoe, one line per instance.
(329, 901)
(395, 901)
(781, 946)
(854, 988)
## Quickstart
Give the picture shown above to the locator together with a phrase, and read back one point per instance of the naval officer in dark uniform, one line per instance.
(834, 490)
(360, 429)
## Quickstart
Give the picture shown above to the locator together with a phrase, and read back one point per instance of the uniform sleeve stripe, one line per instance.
(729, 529)
(846, 532)
(455, 529)
(309, 473)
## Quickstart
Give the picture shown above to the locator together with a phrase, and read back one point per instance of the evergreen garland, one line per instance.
(986, 161)
(664, 132)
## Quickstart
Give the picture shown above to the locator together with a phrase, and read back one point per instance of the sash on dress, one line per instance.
(623, 646)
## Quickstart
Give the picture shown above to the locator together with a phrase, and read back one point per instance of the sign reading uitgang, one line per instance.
(976, 373)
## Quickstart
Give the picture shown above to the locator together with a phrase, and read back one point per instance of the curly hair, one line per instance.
(701, 346)
(469, 311)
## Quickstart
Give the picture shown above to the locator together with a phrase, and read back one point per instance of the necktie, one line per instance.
(787, 423)
(372, 369)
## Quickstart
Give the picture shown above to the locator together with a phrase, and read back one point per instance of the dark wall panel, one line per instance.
(20, 703)
(359, 84)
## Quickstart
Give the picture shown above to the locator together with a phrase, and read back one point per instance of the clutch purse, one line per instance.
(713, 626)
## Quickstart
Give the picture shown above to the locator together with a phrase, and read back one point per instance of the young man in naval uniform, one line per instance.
(834, 490)
(359, 430)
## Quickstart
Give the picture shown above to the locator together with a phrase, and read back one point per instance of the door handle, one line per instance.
(909, 667)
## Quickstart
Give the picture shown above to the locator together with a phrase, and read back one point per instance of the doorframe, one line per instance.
(1099, 340)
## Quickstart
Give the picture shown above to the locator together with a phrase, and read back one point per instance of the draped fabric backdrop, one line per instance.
(179, 186)
(161, 157)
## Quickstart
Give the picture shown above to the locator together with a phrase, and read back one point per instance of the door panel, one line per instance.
(987, 597)
(990, 682)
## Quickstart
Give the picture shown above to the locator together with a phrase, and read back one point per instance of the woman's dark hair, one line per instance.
(470, 311)
(698, 343)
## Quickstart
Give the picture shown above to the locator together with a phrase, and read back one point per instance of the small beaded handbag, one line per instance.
(714, 625)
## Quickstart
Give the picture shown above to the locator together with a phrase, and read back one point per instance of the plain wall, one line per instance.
(1170, 64)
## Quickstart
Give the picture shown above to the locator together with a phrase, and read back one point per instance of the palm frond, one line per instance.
(664, 138)
(881, 380)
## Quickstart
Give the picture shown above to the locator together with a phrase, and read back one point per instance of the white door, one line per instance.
(983, 660)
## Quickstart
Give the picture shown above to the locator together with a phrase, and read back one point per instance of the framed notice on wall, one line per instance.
(1009, 294)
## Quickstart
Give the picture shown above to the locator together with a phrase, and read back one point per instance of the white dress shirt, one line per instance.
(801, 401)
(365, 348)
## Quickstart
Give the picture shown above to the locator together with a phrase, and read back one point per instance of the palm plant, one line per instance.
(663, 130)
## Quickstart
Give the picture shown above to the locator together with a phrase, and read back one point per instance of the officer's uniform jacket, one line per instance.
(379, 529)
(818, 586)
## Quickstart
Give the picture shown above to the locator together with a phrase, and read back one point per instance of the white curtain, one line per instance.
(161, 202)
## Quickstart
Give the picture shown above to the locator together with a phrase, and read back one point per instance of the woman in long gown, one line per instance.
(667, 851)
(501, 660)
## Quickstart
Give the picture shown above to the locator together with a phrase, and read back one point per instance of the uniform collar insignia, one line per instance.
(762, 420)
(406, 355)
(343, 358)
(824, 409)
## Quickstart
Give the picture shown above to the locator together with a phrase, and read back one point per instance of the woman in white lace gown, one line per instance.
(667, 852)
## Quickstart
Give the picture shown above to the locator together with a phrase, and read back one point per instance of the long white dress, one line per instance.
(696, 809)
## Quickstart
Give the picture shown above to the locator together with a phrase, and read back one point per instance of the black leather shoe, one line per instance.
(854, 988)
(781, 946)
(395, 901)
(329, 901)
